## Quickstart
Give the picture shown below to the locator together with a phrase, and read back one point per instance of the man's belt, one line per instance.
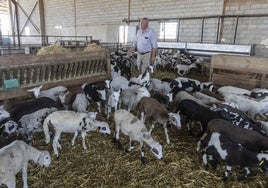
(144, 53)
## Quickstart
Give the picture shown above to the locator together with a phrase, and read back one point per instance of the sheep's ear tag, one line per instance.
(261, 162)
(1, 126)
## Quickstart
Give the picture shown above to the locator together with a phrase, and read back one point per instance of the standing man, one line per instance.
(146, 44)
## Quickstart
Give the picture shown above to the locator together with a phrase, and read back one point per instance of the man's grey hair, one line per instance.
(145, 19)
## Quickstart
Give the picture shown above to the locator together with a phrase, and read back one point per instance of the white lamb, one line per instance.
(112, 101)
(162, 87)
(119, 82)
(52, 93)
(208, 100)
(233, 90)
(15, 157)
(184, 69)
(80, 103)
(131, 126)
(131, 98)
(247, 105)
(71, 122)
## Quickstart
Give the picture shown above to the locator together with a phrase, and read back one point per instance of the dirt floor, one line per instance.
(104, 165)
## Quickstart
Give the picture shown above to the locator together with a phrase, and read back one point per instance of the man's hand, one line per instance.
(129, 52)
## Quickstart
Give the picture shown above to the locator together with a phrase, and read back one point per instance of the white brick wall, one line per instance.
(101, 19)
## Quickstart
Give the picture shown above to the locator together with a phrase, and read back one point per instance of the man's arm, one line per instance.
(153, 54)
(132, 49)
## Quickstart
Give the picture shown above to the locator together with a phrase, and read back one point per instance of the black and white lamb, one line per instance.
(71, 122)
(221, 148)
(194, 111)
(249, 139)
(94, 93)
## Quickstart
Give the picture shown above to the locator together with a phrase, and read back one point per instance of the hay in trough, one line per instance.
(53, 49)
(93, 47)
(104, 165)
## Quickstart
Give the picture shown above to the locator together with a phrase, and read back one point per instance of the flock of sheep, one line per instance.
(226, 116)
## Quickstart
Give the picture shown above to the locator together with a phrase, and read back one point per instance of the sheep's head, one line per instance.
(156, 149)
(63, 95)
(142, 92)
(151, 69)
(3, 113)
(36, 91)
(102, 94)
(114, 98)
(103, 127)
(107, 83)
(175, 119)
(44, 159)
(9, 127)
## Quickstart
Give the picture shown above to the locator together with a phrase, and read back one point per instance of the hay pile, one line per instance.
(53, 49)
(103, 165)
(93, 47)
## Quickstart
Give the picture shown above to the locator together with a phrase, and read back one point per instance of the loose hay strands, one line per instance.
(104, 165)
(53, 49)
(93, 47)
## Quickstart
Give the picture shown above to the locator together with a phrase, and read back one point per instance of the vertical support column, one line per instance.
(202, 30)
(42, 22)
(178, 32)
(218, 29)
(75, 25)
(236, 25)
(17, 22)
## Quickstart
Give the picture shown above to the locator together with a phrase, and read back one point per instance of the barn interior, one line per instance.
(69, 43)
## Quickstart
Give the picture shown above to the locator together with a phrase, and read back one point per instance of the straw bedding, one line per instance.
(104, 165)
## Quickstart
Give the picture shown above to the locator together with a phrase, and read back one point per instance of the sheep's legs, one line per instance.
(247, 173)
(142, 153)
(56, 143)
(142, 117)
(166, 133)
(24, 175)
(108, 111)
(227, 171)
(199, 142)
(99, 106)
(117, 131)
(131, 147)
(75, 135)
(152, 127)
(205, 161)
(83, 134)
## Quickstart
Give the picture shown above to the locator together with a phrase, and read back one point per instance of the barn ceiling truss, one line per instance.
(16, 8)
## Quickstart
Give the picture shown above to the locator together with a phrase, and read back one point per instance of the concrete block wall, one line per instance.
(101, 19)
(250, 30)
